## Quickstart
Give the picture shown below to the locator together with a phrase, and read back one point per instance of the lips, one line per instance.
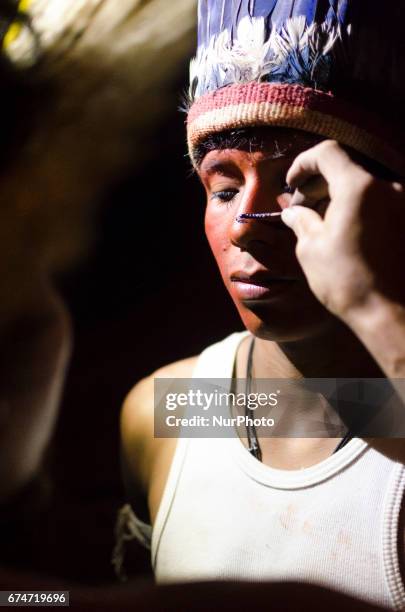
(260, 285)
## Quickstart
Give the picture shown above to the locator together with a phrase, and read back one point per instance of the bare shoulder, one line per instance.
(140, 449)
(137, 411)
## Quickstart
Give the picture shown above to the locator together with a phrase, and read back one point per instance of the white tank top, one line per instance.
(225, 515)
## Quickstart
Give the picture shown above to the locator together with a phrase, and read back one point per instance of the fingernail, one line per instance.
(298, 199)
(288, 215)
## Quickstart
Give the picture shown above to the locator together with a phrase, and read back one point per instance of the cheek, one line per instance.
(217, 235)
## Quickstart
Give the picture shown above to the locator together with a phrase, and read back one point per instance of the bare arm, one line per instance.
(353, 256)
(148, 459)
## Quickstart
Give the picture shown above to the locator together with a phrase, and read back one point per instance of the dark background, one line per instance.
(147, 294)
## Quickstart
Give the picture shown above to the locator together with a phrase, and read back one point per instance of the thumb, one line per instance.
(302, 220)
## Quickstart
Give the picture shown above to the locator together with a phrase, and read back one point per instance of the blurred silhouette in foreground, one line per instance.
(79, 83)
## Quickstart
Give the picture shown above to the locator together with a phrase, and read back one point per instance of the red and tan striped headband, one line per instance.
(293, 106)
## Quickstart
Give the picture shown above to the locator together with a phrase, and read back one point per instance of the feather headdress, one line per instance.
(327, 66)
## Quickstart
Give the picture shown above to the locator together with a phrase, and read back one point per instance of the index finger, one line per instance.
(327, 159)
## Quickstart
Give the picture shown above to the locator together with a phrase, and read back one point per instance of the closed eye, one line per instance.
(224, 196)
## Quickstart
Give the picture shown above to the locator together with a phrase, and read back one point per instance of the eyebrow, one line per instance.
(220, 167)
(226, 168)
(289, 150)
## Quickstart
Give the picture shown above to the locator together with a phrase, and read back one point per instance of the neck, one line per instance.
(334, 353)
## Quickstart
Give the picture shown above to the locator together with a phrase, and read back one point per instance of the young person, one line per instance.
(326, 300)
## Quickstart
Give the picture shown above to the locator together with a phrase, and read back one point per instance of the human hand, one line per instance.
(356, 251)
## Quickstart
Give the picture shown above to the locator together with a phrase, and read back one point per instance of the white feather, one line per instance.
(252, 57)
(294, 31)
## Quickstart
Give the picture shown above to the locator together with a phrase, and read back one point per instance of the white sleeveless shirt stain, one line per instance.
(225, 515)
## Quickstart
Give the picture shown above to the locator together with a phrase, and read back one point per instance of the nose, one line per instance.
(252, 234)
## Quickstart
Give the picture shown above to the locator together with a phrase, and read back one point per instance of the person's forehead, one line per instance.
(258, 143)
(274, 137)
(254, 148)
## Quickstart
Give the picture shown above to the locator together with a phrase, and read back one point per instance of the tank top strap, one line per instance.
(217, 361)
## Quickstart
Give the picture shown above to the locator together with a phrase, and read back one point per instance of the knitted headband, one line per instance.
(335, 68)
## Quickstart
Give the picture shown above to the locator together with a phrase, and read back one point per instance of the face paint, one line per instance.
(254, 249)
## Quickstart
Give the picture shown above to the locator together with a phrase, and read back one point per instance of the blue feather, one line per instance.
(281, 13)
(235, 16)
(202, 19)
(264, 8)
(244, 10)
(374, 53)
(307, 8)
(215, 15)
(337, 12)
(312, 10)
(223, 19)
